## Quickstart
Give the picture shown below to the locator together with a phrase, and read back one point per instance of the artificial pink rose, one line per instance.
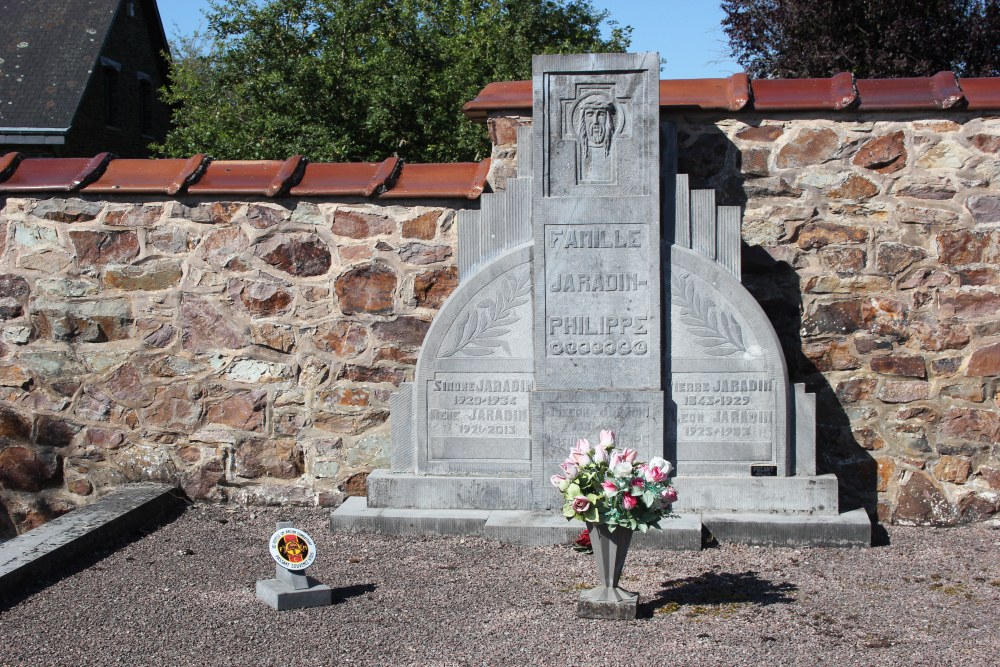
(662, 464)
(654, 474)
(610, 488)
(629, 502)
(579, 458)
(669, 495)
(581, 504)
(570, 468)
(629, 454)
(616, 458)
(600, 455)
(557, 480)
(607, 439)
(636, 485)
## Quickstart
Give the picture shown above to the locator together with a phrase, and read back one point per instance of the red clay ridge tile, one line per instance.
(460, 179)
(168, 176)
(268, 178)
(506, 95)
(833, 93)
(731, 93)
(348, 179)
(982, 93)
(940, 91)
(8, 163)
(55, 174)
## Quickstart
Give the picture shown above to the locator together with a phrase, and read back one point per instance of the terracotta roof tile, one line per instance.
(834, 93)
(508, 95)
(440, 180)
(148, 176)
(731, 94)
(268, 178)
(940, 91)
(348, 179)
(55, 174)
(389, 179)
(982, 93)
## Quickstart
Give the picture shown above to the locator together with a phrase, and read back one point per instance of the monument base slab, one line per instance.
(609, 604)
(542, 528)
(355, 515)
(850, 529)
(409, 490)
(281, 597)
(816, 494)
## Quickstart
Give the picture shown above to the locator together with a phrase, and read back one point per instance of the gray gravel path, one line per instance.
(184, 595)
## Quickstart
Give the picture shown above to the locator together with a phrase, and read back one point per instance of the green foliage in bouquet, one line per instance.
(607, 485)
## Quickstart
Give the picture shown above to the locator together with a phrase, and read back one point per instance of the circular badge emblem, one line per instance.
(292, 548)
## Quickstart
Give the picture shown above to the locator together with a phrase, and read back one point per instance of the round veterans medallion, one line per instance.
(292, 548)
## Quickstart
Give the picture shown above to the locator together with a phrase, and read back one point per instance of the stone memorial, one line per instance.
(293, 551)
(590, 299)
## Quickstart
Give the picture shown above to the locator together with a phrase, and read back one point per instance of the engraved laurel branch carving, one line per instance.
(481, 329)
(713, 328)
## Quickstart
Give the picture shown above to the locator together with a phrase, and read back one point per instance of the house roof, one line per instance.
(198, 175)
(48, 51)
(738, 93)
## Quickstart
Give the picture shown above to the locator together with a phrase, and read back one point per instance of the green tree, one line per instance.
(871, 38)
(349, 80)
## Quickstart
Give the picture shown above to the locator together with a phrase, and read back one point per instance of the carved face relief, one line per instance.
(595, 117)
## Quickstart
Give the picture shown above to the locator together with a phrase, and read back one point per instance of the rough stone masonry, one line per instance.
(247, 349)
(244, 350)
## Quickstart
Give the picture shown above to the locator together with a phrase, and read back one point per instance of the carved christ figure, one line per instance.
(596, 121)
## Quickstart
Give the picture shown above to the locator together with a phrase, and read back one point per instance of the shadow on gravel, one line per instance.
(66, 566)
(345, 593)
(714, 593)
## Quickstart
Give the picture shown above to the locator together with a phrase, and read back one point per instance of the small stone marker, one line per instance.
(293, 551)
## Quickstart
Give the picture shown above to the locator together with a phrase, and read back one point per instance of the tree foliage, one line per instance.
(349, 80)
(870, 38)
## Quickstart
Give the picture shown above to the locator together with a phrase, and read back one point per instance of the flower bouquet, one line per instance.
(607, 485)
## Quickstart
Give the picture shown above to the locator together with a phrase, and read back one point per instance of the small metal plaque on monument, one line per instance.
(596, 233)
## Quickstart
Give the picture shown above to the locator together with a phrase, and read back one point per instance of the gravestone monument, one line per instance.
(599, 292)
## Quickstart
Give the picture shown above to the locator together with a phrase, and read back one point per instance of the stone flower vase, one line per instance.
(607, 600)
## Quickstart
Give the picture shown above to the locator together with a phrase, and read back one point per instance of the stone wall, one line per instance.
(244, 350)
(873, 243)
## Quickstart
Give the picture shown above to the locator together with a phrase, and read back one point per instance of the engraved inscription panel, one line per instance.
(726, 417)
(479, 416)
(598, 299)
(462, 404)
(559, 419)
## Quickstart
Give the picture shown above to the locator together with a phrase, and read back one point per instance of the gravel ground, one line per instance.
(184, 595)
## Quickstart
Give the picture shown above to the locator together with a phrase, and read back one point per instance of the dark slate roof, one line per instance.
(48, 50)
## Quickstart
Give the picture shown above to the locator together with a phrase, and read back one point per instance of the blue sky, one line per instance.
(685, 32)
